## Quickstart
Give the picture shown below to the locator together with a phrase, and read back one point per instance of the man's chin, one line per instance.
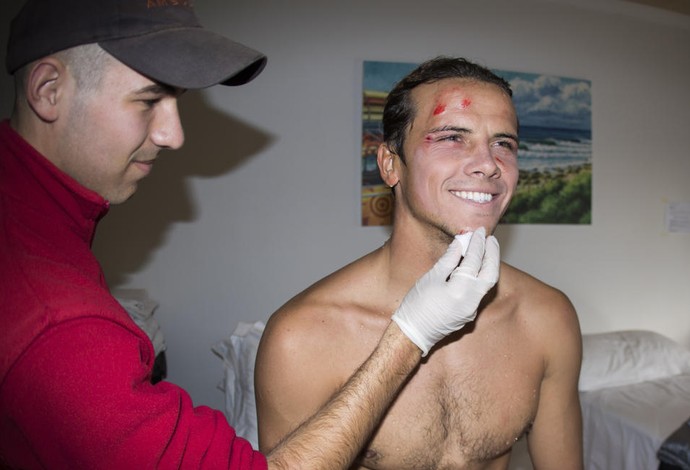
(122, 196)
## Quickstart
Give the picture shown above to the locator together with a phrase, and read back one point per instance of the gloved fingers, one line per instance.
(491, 262)
(472, 262)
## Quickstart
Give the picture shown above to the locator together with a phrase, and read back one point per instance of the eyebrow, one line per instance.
(463, 130)
(507, 135)
(160, 89)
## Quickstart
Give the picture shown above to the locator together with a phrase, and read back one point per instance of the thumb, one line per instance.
(491, 262)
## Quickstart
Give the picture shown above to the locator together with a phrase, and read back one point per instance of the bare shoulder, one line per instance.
(547, 313)
(321, 324)
(536, 297)
(311, 346)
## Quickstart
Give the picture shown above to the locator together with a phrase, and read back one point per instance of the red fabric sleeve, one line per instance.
(80, 397)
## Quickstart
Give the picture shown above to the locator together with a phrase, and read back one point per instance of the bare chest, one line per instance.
(464, 408)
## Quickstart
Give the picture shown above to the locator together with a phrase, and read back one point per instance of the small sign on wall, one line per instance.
(678, 217)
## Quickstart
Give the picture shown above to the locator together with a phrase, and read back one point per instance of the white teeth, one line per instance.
(475, 196)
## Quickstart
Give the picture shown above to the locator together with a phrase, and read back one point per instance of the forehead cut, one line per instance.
(444, 96)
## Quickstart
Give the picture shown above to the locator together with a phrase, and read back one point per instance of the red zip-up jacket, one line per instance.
(75, 370)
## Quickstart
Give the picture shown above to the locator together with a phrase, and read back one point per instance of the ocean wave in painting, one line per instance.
(543, 148)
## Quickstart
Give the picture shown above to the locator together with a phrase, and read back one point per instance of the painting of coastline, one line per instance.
(554, 158)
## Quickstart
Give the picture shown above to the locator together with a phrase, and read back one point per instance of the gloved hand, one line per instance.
(447, 296)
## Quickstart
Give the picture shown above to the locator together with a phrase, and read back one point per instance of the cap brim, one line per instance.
(188, 58)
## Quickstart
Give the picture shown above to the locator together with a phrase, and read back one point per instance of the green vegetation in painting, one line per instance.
(553, 196)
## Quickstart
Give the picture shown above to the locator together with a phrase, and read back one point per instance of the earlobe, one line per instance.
(386, 159)
(43, 86)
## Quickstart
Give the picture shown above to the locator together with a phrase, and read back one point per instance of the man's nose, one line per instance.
(483, 163)
(167, 129)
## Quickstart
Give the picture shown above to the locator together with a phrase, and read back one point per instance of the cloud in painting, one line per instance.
(548, 101)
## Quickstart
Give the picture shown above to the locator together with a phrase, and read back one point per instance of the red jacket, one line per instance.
(75, 370)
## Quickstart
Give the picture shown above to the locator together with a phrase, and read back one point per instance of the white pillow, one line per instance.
(627, 357)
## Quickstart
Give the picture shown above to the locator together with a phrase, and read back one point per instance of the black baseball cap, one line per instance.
(161, 39)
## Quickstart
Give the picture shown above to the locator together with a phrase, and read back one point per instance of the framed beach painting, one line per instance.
(554, 158)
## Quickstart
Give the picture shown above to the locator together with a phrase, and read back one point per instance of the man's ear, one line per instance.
(386, 161)
(44, 86)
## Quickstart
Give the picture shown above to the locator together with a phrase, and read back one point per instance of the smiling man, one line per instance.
(450, 154)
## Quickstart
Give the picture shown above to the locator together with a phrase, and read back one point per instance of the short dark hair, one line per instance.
(86, 63)
(399, 111)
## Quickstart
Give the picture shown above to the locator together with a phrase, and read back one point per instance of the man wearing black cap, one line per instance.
(96, 100)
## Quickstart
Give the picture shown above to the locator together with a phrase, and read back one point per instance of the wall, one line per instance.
(263, 200)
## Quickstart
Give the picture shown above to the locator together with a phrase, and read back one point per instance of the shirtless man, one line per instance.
(450, 155)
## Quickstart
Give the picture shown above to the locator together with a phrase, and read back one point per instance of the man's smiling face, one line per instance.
(460, 168)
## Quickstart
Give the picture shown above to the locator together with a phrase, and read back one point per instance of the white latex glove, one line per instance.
(448, 295)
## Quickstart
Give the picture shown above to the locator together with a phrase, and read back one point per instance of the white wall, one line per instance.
(263, 200)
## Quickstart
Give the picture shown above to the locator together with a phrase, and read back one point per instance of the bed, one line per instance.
(634, 393)
(238, 353)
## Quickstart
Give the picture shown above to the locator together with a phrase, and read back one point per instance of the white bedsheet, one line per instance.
(625, 426)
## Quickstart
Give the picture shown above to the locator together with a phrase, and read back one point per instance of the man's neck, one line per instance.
(412, 251)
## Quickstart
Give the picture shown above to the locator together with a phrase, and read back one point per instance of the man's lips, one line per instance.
(144, 166)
